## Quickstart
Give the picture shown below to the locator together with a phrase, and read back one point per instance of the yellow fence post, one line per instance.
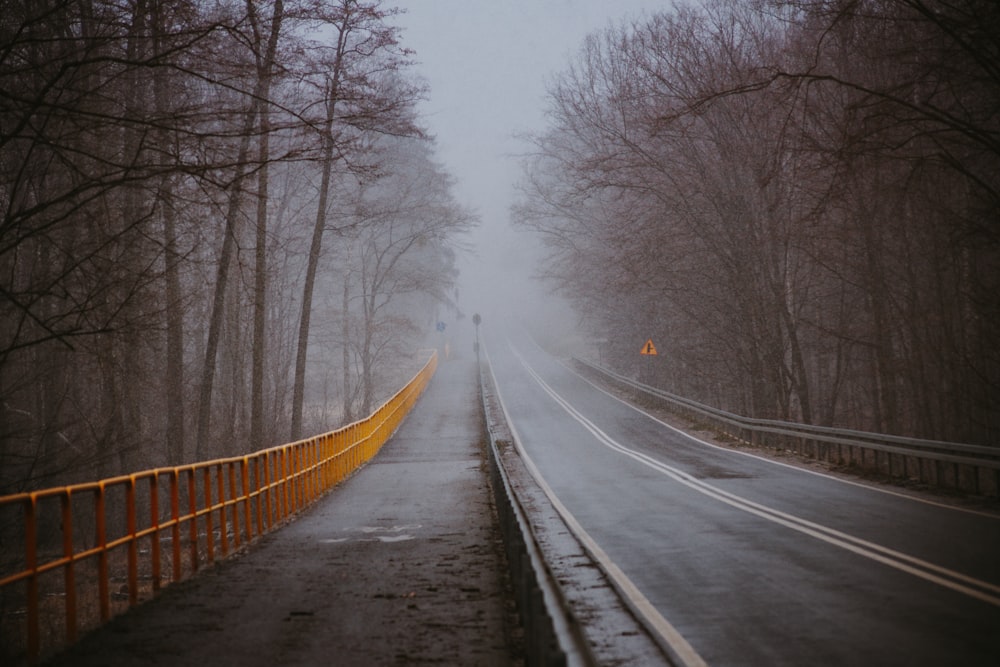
(175, 524)
(102, 556)
(206, 481)
(193, 514)
(220, 484)
(69, 573)
(31, 563)
(154, 522)
(133, 548)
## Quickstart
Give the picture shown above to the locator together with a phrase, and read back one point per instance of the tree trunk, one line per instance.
(315, 249)
(232, 214)
(175, 331)
(264, 73)
(348, 392)
(130, 383)
(221, 282)
(174, 309)
(367, 360)
(876, 287)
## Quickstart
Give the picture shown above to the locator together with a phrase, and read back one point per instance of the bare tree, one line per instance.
(791, 195)
(76, 176)
(356, 101)
(265, 64)
(136, 138)
(404, 247)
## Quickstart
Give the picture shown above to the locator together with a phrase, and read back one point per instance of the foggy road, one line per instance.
(752, 561)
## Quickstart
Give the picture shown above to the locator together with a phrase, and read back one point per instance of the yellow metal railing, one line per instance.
(120, 539)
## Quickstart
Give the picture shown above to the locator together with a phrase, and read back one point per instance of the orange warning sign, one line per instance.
(649, 348)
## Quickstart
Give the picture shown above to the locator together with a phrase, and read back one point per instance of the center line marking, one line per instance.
(942, 576)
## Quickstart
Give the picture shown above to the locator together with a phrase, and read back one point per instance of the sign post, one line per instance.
(477, 320)
(649, 351)
(447, 348)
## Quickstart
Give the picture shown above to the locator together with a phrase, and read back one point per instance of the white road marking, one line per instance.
(680, 647)
(956, 581)
(840, 480)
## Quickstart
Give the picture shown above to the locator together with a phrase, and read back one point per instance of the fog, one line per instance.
(487, 64)
(792, 256)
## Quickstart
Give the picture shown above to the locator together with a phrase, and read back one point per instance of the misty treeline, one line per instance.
(223, 228)
(799, 202)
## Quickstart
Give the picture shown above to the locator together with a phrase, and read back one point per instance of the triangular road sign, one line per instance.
(649, 348)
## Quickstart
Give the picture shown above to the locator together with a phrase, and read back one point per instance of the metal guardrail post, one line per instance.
(132, 548)
(31, 564)
(102, 556)
(69, 573)
(175, 525)
(154, 520)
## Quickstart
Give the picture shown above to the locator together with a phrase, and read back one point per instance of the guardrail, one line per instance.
(199, 510)
(970, 468)
(553, 637)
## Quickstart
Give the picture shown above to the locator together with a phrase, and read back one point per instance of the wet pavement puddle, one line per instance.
(378, 534)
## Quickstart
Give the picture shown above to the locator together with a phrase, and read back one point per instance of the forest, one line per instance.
(223, 228)
(798, 201)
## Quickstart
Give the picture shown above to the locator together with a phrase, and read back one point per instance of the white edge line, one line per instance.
(779, 463)
(667, 631)
(856, 545)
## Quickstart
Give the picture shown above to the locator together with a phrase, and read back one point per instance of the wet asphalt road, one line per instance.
(400, 564)
(752, 561)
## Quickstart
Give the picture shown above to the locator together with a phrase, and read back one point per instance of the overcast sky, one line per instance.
(487, 63)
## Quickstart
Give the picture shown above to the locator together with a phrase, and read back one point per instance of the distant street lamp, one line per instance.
(476, 320)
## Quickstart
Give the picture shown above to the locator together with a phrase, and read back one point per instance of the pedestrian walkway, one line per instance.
(399, 564)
